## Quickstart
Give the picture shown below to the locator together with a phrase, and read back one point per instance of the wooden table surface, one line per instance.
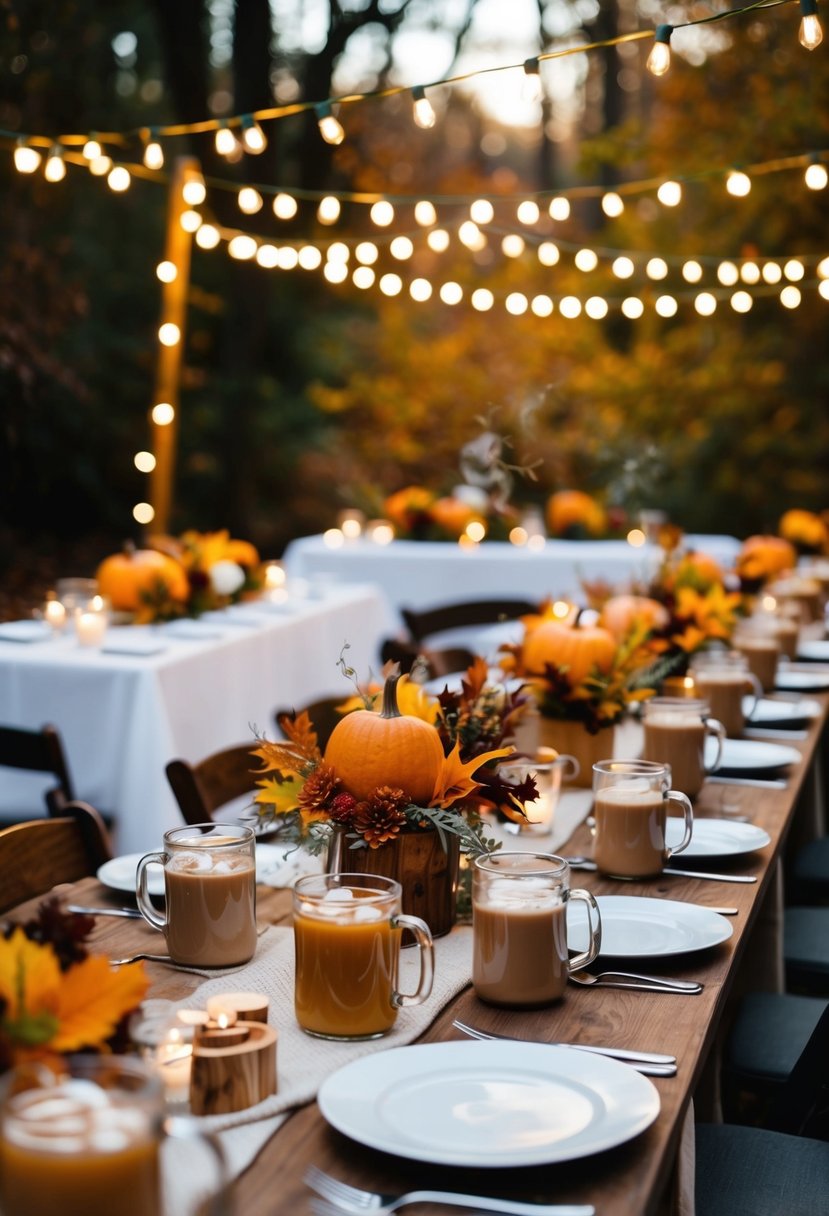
(632, 1179)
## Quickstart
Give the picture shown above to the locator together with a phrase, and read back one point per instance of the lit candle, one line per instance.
(90, 628)
(351, 523)
(54, 614)
(174, 1060)
(274, 575)
(247, 1006)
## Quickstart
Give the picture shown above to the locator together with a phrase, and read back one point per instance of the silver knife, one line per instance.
(583, 863)
(132, 913)
(756, 783)
(655, 1058)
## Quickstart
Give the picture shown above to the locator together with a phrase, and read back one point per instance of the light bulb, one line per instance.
(670, 194)
(559, 208)
(92, 149)
(482, 211)
(119, 179)
(55, 168)
(194, 191)
(331, 128)
(738, 183)
(225, 141)
(285, 207)
(810, 33)
(816, 177)
(425, 213)
(249, 200)
(424, 114)
(382, 213)
(531, 87)
(328, 211)
(153, 154)
(253, 137)
(659, 59)
(207, 236)
(26, 159)
(612, 204)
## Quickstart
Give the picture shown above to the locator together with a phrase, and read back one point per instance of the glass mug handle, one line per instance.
(756, 692)
(142, 890)
(717, 731)
(179, 1127)
(594, 922)
(570, 767)
(685, 803)
(426, 952)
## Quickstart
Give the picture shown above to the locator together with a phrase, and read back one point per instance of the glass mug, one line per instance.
(675, 732)
(519, 928)
(630, 807)
(548, 774)
(86, 1142)
(761, 647)
(210, 894)
(347, 935)
(723, 679)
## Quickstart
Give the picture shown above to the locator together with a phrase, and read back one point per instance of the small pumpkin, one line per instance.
(453, 515)
(697, 570)
(126, 578)
(574, 511)
(621, 612)
(368, 749)
(577, 648)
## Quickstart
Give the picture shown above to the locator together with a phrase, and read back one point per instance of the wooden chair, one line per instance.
(439, 662)
(783, 1167)
(36, 855)
(203, 788)
(39, 751)
(424, 623)
(324, 716)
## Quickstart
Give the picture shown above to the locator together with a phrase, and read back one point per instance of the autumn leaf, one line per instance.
(29, 975)
(455, 779)
(475, 678)
(92, 998)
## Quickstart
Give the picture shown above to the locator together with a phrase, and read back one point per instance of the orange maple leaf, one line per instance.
(92, 999)
(455, 779)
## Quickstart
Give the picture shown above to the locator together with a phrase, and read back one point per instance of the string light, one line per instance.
(548, 253)
(363, 277)
(772, 273)
(207, 236)
(242, 248)
(790, 297)
(420, 290)
(596, 308)
(469, 234)
(153, 151)
(225, 141)
(190, 221)
(692, 272)
(339, 252)
(727, 273)
(328, 211)
(793, 270)
(143, 513)
(26, 158)
(559, 208)
(284, 206)
(810, 33)
(612, 204)
(267, 256)
(513, 245)
(249, 200)
(632, 307)
(622, 267)
(705, 304)
(816, 176)
(542, 305)
(309, 257)
(194, 191)
(92, 149)
(55, 168)
(586, 260)
(738, 183)
(287, 258)
(438, 240)
(570, 307)
(423, 110)
(144, 462)
(741, 301)
(367, 253)
(119, 180)
(391, 284)
(670, 194)
(750, 273)
(528, 212)
(659, 59)
(100, 166)
(532, 89)
(666, 306)
(382, 213)
(166, 272)
(253, 137)
(425, 213)
(330, 127)
(451, 293)
(482, 299)
(656, 269)
(163, 413)
(401, 248)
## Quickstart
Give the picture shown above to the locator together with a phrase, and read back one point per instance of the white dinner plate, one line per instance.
(25, 631)
(638, 927)
(814, 652)
(716, 837)
(789, 680)
(276, 866)
(769, 712)
(750, 755)
(492, 1105)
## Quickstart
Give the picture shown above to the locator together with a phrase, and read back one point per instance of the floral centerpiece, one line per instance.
(179, 576)
(56, 997)
(575, 515)
(805, 530)
(396, 793)
(763, 558)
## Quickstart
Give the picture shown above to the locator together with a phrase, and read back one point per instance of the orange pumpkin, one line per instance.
(568, 509)
(578, 649)
(125, 578)
(367, 750)
(621, 612)
(242, 552)
(697, 570)
(452, 515)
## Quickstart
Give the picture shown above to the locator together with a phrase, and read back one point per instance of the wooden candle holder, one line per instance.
(229, 1077)
(248, 1006)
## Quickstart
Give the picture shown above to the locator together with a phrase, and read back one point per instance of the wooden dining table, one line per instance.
(638, 1176)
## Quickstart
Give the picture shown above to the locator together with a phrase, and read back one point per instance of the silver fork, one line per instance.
(651, 1063)
(339, 1197)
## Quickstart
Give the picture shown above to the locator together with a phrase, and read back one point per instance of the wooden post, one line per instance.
(168, 372)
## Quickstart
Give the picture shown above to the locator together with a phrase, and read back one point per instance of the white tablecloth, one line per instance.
(425, 574)
(124, 717)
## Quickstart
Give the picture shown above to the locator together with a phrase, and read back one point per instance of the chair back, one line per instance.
(424, 623)
(802, 1108)
(439, 662)
(38, 854)
(39, 751)
(202, 789)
